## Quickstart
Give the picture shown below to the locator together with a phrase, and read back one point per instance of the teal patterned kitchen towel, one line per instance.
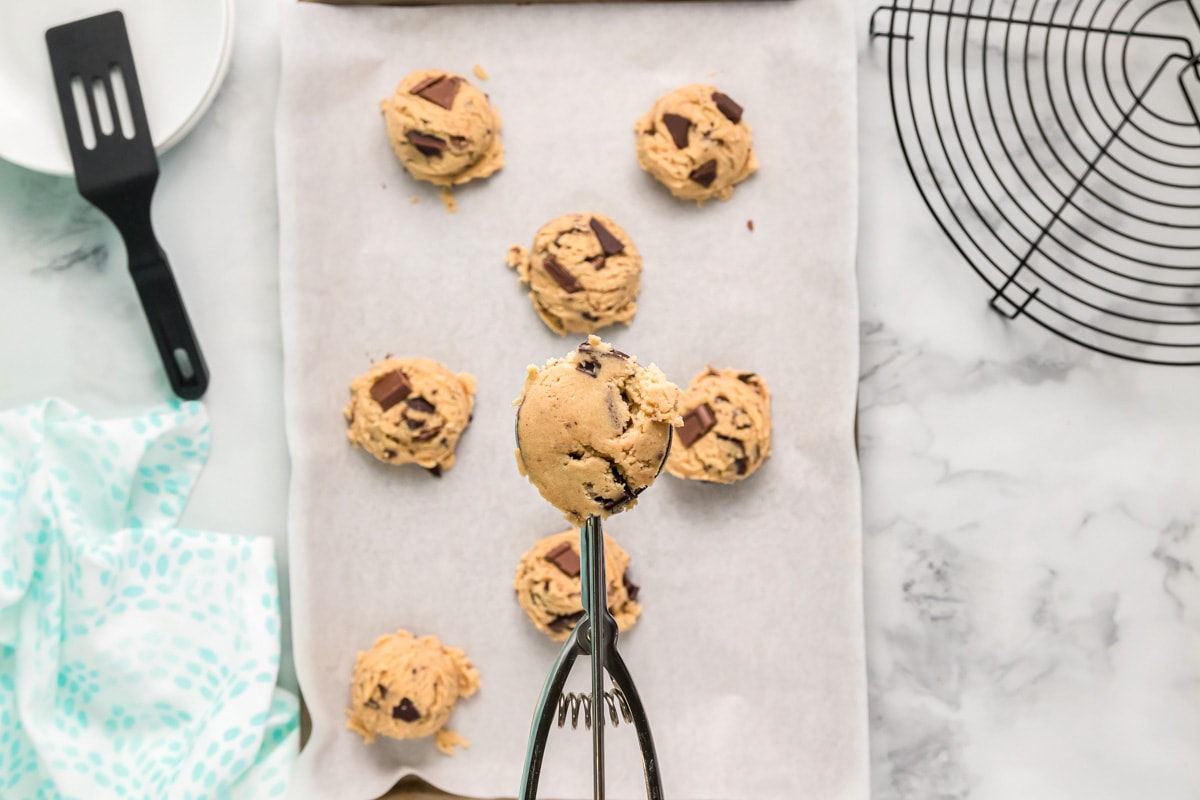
(137, 660)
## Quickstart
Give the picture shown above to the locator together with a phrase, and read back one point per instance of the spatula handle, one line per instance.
(172, 329)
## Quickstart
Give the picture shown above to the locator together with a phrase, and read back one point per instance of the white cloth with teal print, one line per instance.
(137, 660)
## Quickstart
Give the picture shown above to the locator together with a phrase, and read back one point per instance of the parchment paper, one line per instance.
(750, 652)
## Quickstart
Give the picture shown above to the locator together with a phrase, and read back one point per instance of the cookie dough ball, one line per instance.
(593, 429)
(443, 129)
(410, 411)
(695, 142)
(583, 271)
(726, 433)
(547, 585)
(406, 688)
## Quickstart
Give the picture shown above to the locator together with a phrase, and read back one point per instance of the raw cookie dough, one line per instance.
(694, 141)
(726, 433)
(584, 273)
(443, 129)
(410, 411)
(547, 585)
(406, 688)
(593, 429)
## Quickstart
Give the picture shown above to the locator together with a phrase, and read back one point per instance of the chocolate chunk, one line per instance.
(615, 353)
(560, 275)
(696, 423)
(741, 465)
(426, 144)
(589, 316)
(389, 454)
(382, 690)
(678, 127)
(610, 244)
(589, 367)
(371, 704)
(420, 404)
(391, 389)
(435, 471)
(631, 588)
(565, 622)
(425, 84)
(598, 262)
(413, 424)
(459, 142)
(725, 104)
(427, 435)
(565, 558)
(705, 174)
(440, 92)
(750, 225)
(406, 711)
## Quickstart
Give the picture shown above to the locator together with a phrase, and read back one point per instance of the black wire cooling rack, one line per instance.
(1058, 146)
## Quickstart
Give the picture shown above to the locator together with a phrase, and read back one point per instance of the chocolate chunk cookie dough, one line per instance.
(593, 429)
(407, 688)
(583, 273)
(726, 433)
(410, 411)
(547, 585)
(443, 129)
(695, 142)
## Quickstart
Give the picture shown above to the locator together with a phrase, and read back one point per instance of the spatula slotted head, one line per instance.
(101, 105)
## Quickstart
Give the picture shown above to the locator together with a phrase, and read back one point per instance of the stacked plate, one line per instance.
(182, 49)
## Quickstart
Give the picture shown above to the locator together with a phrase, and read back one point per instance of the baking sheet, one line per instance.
(750, 651)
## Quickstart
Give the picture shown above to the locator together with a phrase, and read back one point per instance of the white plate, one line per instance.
(181, 49)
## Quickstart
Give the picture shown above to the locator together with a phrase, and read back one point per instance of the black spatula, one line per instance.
(116, 170)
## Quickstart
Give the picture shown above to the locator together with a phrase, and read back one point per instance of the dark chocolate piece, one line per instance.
(413, 424)
(696, 423)
(589, 367)
(382, 690)
(589, 316)
(631, 588)
(565, 558)
(426, 144)
(705, 174)
(678, 127)
(441, 92)
(425, 84)
(565, 622)
(560, 275)
(389, 454)
(598, 262)
(610, 244)
(420, 404)
(406, 711)
(725, 104)
(391, 389)
(371, 704)
(427, 435)
(741, 464)
(459, 142)
(750, 225)
(435, 470)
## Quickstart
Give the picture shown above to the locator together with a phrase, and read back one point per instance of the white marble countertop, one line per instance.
(1033, 607)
